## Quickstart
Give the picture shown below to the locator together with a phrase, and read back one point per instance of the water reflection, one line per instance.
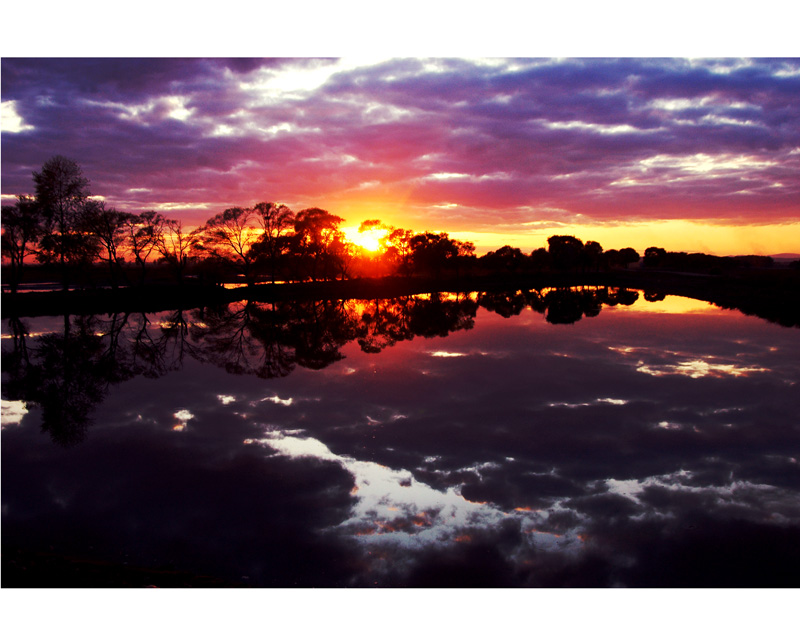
(65, 374)
(265, 340)
(539, 438)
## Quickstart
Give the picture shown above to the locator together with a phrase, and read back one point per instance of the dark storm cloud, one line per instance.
(632, 138)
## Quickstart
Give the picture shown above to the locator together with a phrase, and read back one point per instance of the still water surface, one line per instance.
(551, 438)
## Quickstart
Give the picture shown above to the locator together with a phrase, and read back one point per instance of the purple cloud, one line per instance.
(520, 140)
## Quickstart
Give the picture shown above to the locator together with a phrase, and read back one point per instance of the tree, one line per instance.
(343, 254)
(109, 228)
(22, 226)
(622, 258)
(230, 237)
(174, 246)
(371, 225)
(62, 193)
(505, 258)
(565, 251)
(432, 252)
(315, 230)
(591, 255)
(628, 256)
(654, 256)
(143, 236)
(396, 245)
(540, 259)
(465, 255)
(277, 221)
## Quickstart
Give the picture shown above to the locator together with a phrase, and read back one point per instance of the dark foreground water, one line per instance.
(550, 438)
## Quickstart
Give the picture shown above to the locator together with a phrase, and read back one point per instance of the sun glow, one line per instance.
(369, 239)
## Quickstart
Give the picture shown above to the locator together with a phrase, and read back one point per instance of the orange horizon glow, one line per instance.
(711, 236)
(368, 240)
(673, 235)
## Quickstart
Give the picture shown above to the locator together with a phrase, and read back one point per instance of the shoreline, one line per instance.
(770, 294)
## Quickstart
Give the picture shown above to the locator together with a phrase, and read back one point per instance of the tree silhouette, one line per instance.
(506, 258)
(315, 231)
(174, 245)
(229, 237)
(144, 234)
(109, 226)
(565, 251)
(628, 256)
(653, 256)
(62, 193)
(591, 255)
(465, 256)
(432, 252)
(541, 260)
(342, 255)
(22, 227)
(620, 258)
(276, 221)
(396, 245)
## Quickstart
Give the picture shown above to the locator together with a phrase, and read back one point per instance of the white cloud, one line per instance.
(10, 120)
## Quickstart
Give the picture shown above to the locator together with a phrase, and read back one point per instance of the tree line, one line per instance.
(63, 226)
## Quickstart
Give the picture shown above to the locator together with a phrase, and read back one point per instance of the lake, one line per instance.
(556, 438)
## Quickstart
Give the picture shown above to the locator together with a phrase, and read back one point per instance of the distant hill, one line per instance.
(786, 256)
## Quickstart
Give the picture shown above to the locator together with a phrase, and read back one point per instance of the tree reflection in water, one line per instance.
(64, 374)
(559, 305)
(67, 373)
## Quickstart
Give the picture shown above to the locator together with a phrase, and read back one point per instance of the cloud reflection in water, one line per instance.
(628, 448)
(395, 515)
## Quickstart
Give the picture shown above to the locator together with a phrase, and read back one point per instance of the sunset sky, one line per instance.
(687, 154)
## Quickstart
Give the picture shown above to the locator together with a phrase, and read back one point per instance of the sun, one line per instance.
(369, 240)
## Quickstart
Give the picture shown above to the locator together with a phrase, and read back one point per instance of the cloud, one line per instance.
(611, 140)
